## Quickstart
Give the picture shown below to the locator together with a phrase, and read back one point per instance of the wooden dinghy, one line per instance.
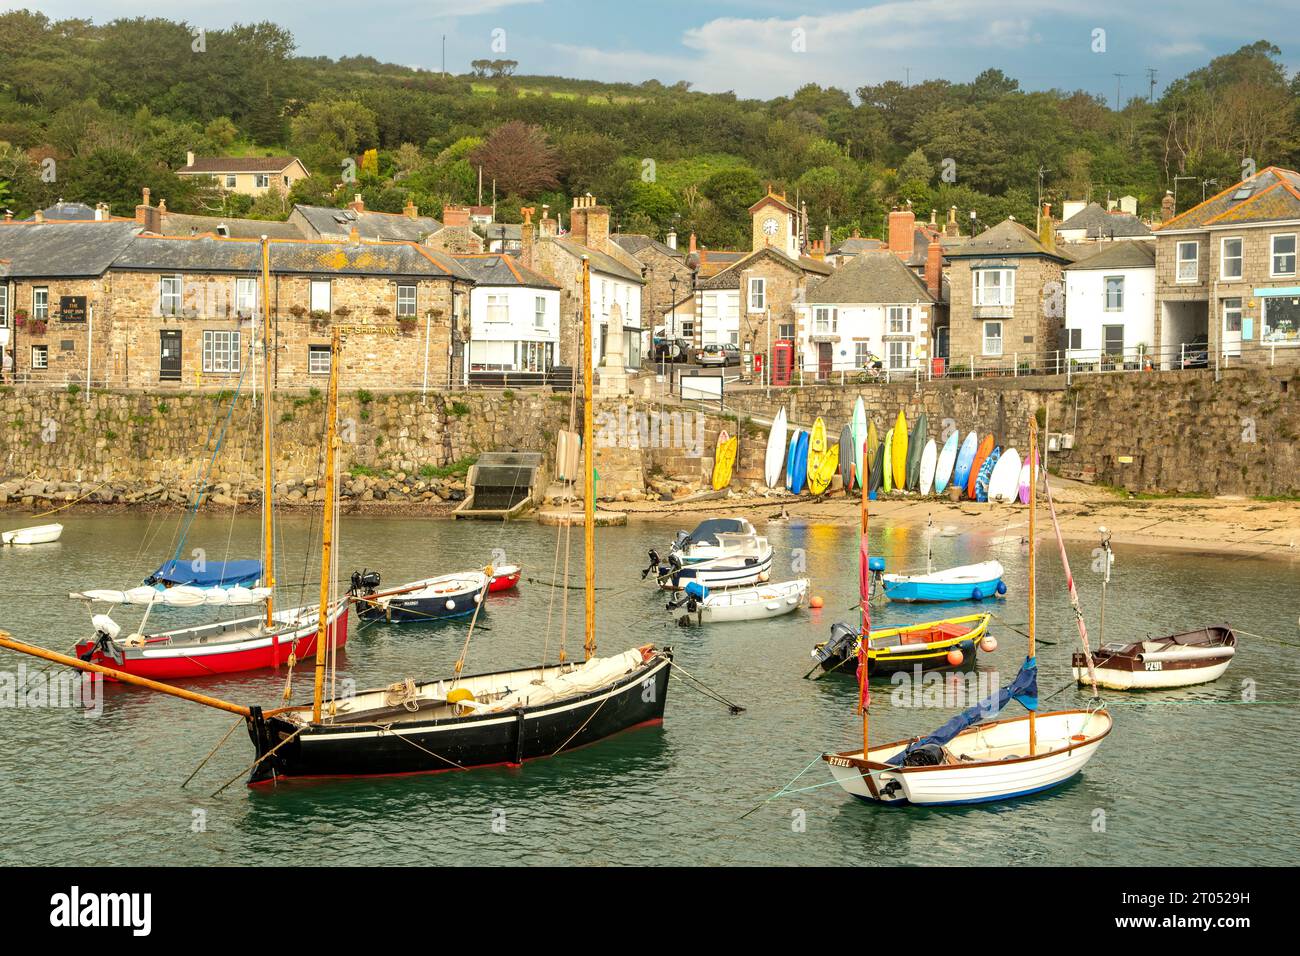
(1179, 660)
(929, 645)
(37, 534)
(705, 606)
(431, 599)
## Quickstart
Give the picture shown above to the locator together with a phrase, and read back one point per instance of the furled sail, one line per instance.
(180, 596)
(208, 574)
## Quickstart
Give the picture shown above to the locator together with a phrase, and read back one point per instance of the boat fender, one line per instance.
(977, 594)
(647, 653)
(1002, 588)
(456, 698)
(989, 644)
(955, 657)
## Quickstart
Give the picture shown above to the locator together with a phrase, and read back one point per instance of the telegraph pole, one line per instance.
(1151, 84)
(1118, 79)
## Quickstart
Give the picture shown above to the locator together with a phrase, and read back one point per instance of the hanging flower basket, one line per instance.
(320, 320)
(407, 324)
(37, 326)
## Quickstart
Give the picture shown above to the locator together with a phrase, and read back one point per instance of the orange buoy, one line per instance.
(989, 644)
(956, 657)
(815, 601)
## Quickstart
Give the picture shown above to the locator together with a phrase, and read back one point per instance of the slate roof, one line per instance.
(491, 231)
(502, 269)
(600, 262)
(713, 261)
(64, 249)
(1264, 197)
(1097, 223)
(872, 276)
(632, 243)
(214, 165)
(1119, 255)
(729, 278)
(179, 224)
(855, 244)
(921, 236)
(328, 223)
(1007, 239)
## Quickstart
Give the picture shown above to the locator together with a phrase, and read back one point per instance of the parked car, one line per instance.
(718, 355)
(666, 349)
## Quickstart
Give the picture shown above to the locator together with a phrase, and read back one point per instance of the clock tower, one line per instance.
(776, 224)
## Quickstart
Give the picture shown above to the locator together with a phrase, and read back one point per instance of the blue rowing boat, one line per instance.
(971, 582)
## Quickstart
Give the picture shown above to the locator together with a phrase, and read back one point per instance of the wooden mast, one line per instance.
(268, 536)
(327, 531)
(589, 466)
(864, 573)
(1033, 507)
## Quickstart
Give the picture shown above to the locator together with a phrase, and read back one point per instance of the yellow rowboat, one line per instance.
(894, 649)
(898, 452)
(822, 460)
(724, 460)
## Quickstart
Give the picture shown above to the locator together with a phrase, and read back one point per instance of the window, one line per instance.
(861, 354)
(992, 338)
(825, 320)
(245, 296)
(994, 286)
(40, 303)
(785, 330)
(231, 181)
(497, 308)
(1283, 263)
(1188, 267)
(320, 295)
(1230, 259)
(900, 353)
(1232, 315)
(4, 305)
(1074, 338)
(318, 359)
(757, 294)
(1280, 321)
(539, 312)
(533, 356)
(687, 327)
(40, 356)
(262, 181)
(220, 351)
(169, 295)
(900, 320)
(1114, 293)
(734, 338)
(1112, 339)
(406, 301)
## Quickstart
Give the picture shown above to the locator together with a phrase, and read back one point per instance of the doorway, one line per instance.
(825, 359)
(169, 355)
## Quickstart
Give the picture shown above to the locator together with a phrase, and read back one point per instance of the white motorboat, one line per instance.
(704, 605)
(703, 544)
(37, 534)
(747, 560)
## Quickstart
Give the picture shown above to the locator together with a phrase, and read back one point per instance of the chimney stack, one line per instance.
(189, 157)
(1047, 228)
(691, 249)
(454, 216)
(547, 228)
(354, 236)
(934, 268)
(951, 229)
(1167, 207)
(670, 240)
(411, 210)
(902, 225)
(526, 242)
(589, 223)
(101, 211)
(9, 215)
(146, 215)
(358, 204)
(39, 216)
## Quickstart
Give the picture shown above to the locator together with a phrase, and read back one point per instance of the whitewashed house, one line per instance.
(872, 308)
(719, 317)
(1110, 306)
(514, 318)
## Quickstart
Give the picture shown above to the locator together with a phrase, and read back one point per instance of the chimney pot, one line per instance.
(671, 239)
(189, 157)
(354, 236)
(39, 216)
(902, 226)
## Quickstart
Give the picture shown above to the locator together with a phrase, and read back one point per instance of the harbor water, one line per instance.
(1200, 776)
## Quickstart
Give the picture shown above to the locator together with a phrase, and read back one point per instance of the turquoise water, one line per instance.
(1187, 777)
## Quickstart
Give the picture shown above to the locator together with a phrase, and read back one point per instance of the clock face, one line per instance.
(770, 226)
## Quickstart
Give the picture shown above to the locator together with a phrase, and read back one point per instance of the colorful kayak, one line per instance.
(929, 461)
(724, 459)
(848, 461)
(965, 459)
(916, 448)
(898, 452)
(775, 456)
(986, 473)
(887, 483)
(817, 447)
(873, 442)
(981, 454)
(800, 476)
(947, 460)
(877, 475)
(820, 480)
(861, 433)
(790, 457)
(1004, 482)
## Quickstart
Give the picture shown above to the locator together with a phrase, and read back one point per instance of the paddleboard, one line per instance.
(816, 453)
(986, 472)
(1024, 482)
(724, 459)
(947, 459)
(873, 441)
(775, 456)
(800, 477)
(1004, 482)
(965, 458)
(859, 428)
(929, 460)
(877, 469)
(887, 484)
(848, 461)
(790, 458)
(898, 452)
(915, 448)
(981, 455)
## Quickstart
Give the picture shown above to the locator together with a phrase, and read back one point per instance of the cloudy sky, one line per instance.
(767, 47)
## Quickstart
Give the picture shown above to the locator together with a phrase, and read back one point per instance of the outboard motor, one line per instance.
(364, 583)
(654, 563)
(691, 596)
(839, 646)
(106, 631)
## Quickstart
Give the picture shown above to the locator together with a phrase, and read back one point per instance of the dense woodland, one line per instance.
(94, 112)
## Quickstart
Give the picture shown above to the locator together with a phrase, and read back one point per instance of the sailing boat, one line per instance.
(268, 639)
(966, 760)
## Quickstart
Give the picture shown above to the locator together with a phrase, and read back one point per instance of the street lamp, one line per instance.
(672, 305)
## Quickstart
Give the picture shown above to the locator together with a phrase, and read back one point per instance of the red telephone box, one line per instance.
(782, 362)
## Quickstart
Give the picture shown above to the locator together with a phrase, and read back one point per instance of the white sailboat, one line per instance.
(966, 761)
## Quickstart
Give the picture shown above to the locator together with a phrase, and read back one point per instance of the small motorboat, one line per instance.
(970, 582)
(429, 599)
(37, 534)
(705, 606)
(703, 543)
(504, 578)
(949, 644)
(747, 560)
(1180, 660)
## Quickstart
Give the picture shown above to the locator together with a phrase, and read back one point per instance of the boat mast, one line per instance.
(327, 530)
(1033, 506)
(864, 573)
(268, 538)
(589, 465)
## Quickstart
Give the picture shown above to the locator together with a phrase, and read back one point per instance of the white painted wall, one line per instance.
(493, 342)
(608, 291)
(719, 317)
(1085, 308)
(861, 322)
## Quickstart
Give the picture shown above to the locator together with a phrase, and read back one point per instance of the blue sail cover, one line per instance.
(214, 574)
(1024, 689)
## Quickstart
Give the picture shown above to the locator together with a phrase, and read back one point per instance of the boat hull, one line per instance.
(725, 575)
(414, 610)
(1180, 660)
(163, 661)
(769, 601)
(461, 743)
(40, 534)
(1066, 742)
(975, 582)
